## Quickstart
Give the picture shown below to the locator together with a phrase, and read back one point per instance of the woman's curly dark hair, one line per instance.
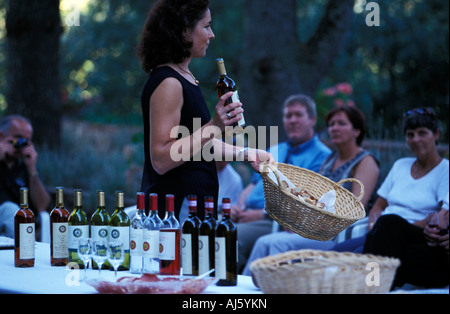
(162, 39)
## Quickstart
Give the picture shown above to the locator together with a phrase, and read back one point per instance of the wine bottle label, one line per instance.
(60, 240)
(203, 254)
(167, 246)
(26, 240)
(76, 233)
(99, 232)
(151, 243)
(209, 205)
(221, 261)
(121, 234)
(186, 253)
(136, 241)
(235, 98)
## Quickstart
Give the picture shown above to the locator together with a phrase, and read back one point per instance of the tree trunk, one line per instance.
(277, 64)
(33, 32)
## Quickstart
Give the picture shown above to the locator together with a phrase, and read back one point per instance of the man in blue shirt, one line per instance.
(303, 149)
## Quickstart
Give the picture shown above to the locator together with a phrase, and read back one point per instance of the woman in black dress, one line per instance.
(178, 129)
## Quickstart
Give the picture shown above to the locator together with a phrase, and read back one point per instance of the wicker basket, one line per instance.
(320, 272)
(303, 218)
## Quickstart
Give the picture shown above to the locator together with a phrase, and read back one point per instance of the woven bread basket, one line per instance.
(324, 272)
(306, 219)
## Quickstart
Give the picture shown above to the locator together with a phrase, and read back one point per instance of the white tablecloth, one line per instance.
(45, 279)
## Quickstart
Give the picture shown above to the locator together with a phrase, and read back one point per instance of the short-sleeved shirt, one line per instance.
(413, 199)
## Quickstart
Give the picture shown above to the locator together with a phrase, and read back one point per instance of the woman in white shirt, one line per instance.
(413, 189)
(415, 186)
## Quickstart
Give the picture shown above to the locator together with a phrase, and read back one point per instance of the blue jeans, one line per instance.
(355, 245)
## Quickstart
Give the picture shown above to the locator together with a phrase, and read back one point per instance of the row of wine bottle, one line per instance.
(151, 244)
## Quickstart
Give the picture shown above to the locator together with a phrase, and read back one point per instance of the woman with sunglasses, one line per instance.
(415, 185)
(414, 189)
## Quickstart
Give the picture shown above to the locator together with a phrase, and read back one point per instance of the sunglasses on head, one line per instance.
(419, 111)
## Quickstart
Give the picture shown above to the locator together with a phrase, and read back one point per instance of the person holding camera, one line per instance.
(18, 159)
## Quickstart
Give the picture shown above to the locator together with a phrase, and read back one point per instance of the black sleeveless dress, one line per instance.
(191, 178)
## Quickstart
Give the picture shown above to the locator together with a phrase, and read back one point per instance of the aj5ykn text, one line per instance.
(231, 304)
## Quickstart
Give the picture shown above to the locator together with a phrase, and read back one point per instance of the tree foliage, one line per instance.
(271, 49)
(33, 29)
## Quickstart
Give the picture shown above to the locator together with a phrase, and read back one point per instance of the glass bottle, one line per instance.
(59, 227)
(78, 228)
(224, 85)
(24, 233)
(137, 235)
(206, 250)
(189, 239)
(152, 225)
(99, 224)
(119, 230)
(169, 241)
(226, 248)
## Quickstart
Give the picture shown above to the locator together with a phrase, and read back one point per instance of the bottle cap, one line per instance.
(153, 201)
(221, 66)
(192, 203)
(226, 204)
(209, 204)
(77, 198)
(140, 200)
(119, 199)
(100, 198)
(170, 202)
(23, 196)
(60, 196)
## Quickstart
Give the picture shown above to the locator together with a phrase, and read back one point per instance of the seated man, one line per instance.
(18, 159)
(303, 149)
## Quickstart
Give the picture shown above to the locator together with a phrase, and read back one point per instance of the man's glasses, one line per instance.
(419, 111)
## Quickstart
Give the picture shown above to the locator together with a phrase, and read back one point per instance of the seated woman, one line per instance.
(414, 189)
(346, 127)
(414, 186)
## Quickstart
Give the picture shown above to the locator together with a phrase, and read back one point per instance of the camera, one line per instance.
(19, 143)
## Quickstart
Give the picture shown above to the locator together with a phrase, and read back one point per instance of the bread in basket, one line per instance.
(303, 218)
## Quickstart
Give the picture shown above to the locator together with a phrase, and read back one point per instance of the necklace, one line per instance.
(188, 72)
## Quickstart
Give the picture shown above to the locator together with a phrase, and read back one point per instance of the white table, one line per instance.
(45, 279)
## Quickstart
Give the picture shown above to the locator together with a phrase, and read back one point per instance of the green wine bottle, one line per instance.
(119, 230)
(78, 228)
(100, 224)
